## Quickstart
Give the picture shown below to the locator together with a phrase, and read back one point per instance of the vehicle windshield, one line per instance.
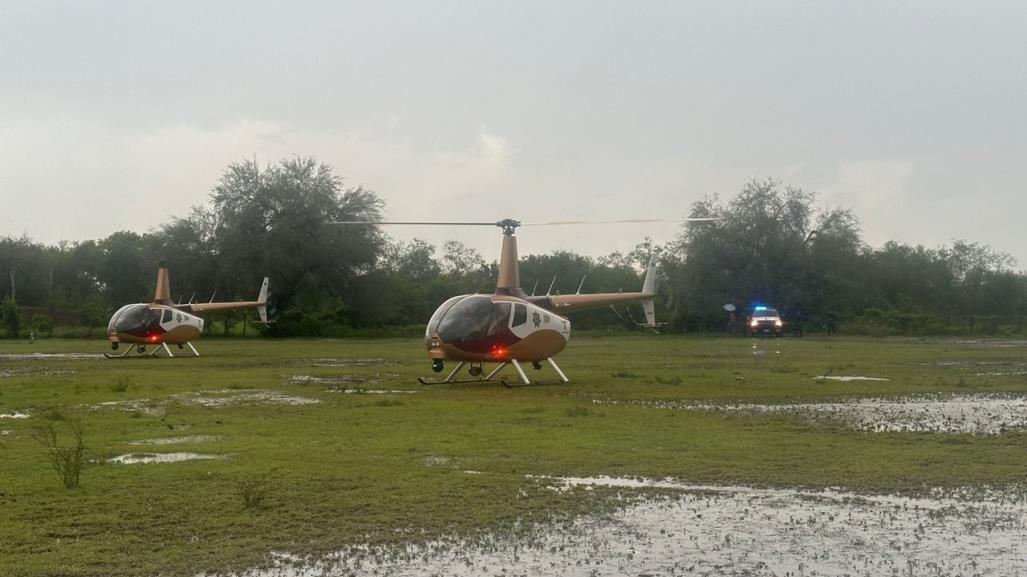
(765, 313)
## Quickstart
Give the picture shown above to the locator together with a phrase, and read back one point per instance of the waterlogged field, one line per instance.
(666, 455)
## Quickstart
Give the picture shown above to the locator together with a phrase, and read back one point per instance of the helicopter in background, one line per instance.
(510, 327)
(163, 322)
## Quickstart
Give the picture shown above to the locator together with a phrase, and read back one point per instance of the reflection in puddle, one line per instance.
(49, 356)
(137, 458)
(991, 414)
(14, 415)
(176, 440)
(722, 530)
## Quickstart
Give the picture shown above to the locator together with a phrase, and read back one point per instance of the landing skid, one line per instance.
(140, 352)
(525, 382)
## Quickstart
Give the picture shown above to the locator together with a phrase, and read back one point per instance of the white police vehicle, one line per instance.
(764, 321)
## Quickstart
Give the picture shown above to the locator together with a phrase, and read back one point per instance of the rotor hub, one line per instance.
(508, 225)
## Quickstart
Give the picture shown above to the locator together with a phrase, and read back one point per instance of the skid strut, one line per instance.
(155, 352)
(484, 377)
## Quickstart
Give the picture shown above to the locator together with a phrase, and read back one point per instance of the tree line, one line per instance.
(769, 244)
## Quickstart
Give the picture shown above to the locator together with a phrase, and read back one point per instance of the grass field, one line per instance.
(301, 429)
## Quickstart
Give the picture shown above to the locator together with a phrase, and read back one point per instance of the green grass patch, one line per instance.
(307, 468)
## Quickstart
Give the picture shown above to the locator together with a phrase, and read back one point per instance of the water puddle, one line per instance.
(145, 458)
(362, 391)
(991, 414)
(992, 368)
(846, 379)
(142, 406)
(343, 362)
(210, 399)
(991, 344)
(229, 397)
(176, 440)
(340, 380)
(14, 415)
(722, 530)
(49, 356)
(7, 373)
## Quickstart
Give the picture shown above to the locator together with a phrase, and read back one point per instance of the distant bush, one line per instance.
(10, 317)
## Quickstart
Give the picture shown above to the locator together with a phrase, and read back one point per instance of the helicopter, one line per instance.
(511, 327)
(164, 322)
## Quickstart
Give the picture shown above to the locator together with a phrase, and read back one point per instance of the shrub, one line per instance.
(66, 461)
(252, 491)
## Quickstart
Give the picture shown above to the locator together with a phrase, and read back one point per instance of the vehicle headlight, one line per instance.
(777, 322)
(754, 323)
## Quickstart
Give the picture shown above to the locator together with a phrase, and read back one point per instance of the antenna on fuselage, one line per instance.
(550, 291)
(534, 288)
(581, 284)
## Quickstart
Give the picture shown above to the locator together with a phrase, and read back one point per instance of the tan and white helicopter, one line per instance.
(511, 327)
(164, 322)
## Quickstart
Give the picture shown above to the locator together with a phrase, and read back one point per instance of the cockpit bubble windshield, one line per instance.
(133, 317)
(433, 323)
(473, 318)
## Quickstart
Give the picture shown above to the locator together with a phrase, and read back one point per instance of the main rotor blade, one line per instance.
(509, 224)
(624, 221)
(384, 222)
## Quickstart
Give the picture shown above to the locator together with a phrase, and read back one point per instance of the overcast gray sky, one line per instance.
(119, 115)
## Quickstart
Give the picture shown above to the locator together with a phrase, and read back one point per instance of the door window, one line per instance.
(520, 315)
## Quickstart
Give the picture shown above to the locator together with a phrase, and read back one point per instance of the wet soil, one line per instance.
(723, 530)
(50, 356)
(981, 414)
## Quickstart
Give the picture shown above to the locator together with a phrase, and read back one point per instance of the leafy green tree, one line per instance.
(23, 271)
(768, 245)
(279, 222)
(128, 267)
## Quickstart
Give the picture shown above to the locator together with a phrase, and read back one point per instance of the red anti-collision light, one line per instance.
(498, 352)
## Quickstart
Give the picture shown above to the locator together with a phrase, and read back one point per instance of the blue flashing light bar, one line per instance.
(760, 308)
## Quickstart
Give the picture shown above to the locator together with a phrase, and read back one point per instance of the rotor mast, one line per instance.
(509, 279)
